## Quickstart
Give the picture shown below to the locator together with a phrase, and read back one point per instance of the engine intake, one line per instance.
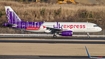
(47, 31)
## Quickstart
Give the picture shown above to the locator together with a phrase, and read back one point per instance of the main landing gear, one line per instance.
(22, 31)
(54, 35)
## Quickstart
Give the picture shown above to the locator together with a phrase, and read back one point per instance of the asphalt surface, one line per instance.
(67, 40)
(41, 57)
(53, 40)
(47, 36)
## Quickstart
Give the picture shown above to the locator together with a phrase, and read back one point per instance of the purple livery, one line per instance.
(15, 21)
(60, 28)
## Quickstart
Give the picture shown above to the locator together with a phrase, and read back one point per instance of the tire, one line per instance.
(54, 36)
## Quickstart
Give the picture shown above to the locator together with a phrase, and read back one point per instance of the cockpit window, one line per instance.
(95, 26)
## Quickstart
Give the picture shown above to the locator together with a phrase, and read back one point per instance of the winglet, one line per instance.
(87, 52)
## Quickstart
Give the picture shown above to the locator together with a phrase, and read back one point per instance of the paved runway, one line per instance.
(72, 40)
(67, 40)
(47, 36)
(41, 57)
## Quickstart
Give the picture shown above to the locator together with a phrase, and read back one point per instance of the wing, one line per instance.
(54, 30)
(62, 32)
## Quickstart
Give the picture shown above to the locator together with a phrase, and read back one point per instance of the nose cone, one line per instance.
(99, 29)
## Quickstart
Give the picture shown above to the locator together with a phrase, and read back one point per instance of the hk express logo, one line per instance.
(8, 14)
(70, 26)
(57, 25)
(11, 16)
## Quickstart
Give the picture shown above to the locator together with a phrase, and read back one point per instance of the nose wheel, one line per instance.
(88, 35)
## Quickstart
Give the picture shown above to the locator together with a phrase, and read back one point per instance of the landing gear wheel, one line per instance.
(88, 35)
(54, 36)
(22, 31)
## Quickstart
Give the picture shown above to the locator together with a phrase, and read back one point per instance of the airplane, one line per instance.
(91, 56)
(55, 28)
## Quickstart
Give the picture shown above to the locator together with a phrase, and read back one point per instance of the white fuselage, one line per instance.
(70, 26)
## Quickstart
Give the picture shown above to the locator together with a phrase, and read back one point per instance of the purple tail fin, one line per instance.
(11, 15)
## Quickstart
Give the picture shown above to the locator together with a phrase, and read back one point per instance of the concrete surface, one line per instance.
(51, 49)
(41, 57)
(44, 35)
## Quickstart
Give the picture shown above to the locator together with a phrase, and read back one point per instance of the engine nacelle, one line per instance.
(48, 31)
(7, 25)
(66, 33)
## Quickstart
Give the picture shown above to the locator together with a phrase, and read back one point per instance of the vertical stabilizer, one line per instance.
(11, 15)
(87, 52)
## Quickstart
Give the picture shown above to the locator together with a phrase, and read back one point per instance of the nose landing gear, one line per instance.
(88, 35)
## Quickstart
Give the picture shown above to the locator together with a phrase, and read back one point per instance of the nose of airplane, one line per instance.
(99, 29)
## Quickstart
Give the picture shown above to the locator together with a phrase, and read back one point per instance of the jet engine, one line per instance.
(66, 33)
(48, 31)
